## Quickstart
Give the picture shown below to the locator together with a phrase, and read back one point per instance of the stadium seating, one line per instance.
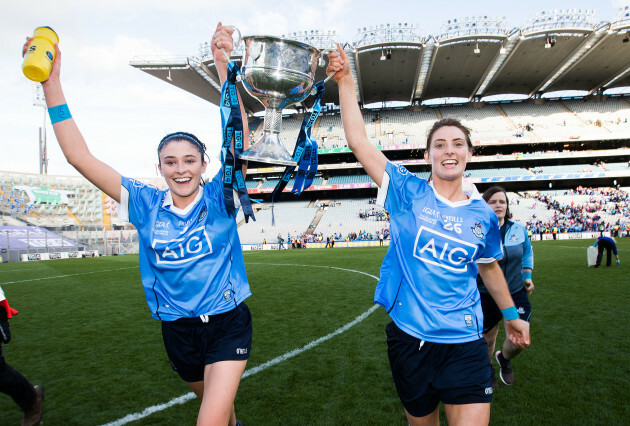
(344, 218)
(504, 171)
(291, 217)
(337, 180)
(549, 121)
(485, 123)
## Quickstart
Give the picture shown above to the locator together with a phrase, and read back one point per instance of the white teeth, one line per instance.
(182, 180)
(449, 162)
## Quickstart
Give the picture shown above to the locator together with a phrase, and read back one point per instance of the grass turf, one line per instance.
(85, 333)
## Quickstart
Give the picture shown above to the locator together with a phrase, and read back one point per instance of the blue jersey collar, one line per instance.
(469, 189)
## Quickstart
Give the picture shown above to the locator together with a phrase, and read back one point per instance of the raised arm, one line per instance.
(370, 157)
(222, 39)
(71, 141)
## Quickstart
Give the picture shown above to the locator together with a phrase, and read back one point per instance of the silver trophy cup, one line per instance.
(279, 73)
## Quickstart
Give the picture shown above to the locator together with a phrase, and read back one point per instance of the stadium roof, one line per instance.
(473, 58)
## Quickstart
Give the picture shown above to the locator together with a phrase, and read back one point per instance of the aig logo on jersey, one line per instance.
(443, 250)
(193, 245)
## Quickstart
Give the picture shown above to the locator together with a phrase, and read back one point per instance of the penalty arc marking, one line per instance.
(251, 371)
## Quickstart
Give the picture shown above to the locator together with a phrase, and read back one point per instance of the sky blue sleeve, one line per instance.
(494, 247)
(140, 199)
(528, 253)
(403, 188)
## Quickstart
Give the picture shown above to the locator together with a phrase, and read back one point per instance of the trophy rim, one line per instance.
(283, 39)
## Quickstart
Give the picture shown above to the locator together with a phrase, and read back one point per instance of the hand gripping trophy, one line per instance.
(278, 72)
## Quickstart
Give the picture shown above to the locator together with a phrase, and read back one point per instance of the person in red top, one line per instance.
(28, 397)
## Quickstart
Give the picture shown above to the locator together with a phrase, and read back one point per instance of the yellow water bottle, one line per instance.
(40, 54)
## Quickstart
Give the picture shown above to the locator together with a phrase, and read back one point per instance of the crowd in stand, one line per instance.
(301, 240)
(587, 216)
(378, 214)
(15, 201)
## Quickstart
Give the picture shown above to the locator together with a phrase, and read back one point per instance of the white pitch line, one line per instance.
(68, 275)
(582, 248)
(190, 395)
(311, 345)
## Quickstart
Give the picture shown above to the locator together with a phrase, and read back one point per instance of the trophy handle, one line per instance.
(323, 52)
(321, 63)
(236, 40)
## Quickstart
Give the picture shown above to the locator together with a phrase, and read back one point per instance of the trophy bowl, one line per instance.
(278, 72)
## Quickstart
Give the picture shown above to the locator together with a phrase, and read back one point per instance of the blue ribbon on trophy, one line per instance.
(232, 124)
(304, 154)
(308, 163)
(279, 72)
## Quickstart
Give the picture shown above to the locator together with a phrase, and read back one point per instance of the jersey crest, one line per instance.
(477, 230)
(202, 215)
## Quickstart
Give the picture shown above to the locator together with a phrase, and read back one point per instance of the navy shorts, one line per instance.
(492, 314)
(426, 373)
(191, 343)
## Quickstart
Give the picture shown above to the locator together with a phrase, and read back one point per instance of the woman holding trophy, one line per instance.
(442, 236)
(193, 276)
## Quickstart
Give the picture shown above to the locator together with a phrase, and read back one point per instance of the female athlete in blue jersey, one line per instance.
(441, 238)
(517, 265)
(191, 264)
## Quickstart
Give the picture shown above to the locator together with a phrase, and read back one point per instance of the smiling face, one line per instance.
(182, 166)
(499, 204)
(448, 153)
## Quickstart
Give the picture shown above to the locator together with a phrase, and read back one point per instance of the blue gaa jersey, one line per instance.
(191, 262)
(518, 255)
(428, 277)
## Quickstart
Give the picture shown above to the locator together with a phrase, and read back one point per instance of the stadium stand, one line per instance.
(291, 217)
(565, 160)
(486, 122)
(343, 218)
(401, 130)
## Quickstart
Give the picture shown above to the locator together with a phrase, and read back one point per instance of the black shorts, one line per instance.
(426, 373)
(191, 343)
(492, 314)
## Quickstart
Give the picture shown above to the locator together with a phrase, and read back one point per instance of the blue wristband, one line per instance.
(59, 113)
(510, 313)
(527, 276)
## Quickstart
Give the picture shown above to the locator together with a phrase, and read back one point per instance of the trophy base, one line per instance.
(268, 149)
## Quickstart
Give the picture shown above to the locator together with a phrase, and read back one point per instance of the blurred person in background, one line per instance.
(28, 397)
(517, 265)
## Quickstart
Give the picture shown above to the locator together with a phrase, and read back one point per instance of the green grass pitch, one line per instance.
(84, 331)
